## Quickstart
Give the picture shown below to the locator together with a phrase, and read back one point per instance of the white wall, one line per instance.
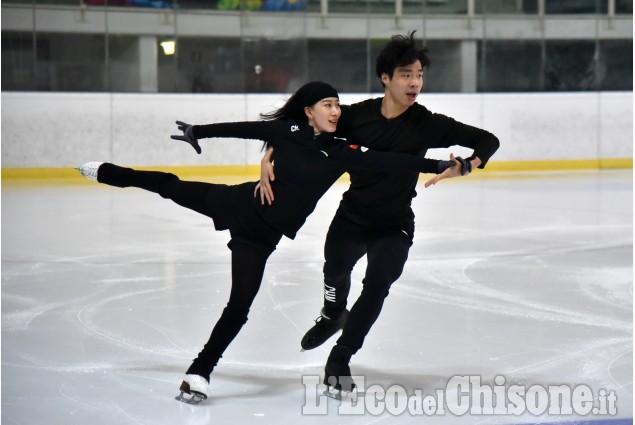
(66, 129)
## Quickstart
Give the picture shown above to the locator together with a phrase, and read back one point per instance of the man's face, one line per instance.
(405, 84)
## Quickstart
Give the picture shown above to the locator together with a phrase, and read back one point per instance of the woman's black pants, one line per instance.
(252, 243)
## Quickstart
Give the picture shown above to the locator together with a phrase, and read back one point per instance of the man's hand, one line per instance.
(454, 171)
(188, 135)
(266, 177)
(476, 162)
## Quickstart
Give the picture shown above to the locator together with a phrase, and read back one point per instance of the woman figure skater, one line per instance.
(309, 159)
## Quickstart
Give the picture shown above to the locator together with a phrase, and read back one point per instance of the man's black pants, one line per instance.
(386, 249)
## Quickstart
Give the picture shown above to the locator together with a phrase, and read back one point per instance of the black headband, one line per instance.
(316, 91)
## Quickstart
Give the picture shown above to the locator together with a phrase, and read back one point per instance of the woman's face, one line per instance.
(323, 116)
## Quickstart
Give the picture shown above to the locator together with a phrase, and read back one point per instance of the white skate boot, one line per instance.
(89, 170)
(195, 387)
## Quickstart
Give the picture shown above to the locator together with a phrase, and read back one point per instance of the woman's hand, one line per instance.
(188, 135)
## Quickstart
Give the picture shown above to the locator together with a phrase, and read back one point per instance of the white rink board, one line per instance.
(65, 129)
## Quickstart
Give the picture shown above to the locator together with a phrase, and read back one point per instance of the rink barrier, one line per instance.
(54, 130)
(182, 171)
(253, 171)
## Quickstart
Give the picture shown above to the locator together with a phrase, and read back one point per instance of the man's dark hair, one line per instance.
(401, 50)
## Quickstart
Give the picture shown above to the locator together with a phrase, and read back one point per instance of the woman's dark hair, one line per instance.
(401, 50)
(307, 95)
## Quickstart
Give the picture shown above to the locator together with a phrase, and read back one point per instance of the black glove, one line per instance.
(188, 135)
(444, 165)
(466, 166)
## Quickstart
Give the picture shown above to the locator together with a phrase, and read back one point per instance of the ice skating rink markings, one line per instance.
(107, 294)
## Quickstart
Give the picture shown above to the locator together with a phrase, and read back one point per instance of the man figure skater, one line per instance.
(375, 217)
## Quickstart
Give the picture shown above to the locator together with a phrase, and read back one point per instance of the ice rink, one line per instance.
(107, 295)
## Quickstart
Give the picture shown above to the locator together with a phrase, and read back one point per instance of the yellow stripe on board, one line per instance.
(560, 165)
(182, 171)
(253, 171)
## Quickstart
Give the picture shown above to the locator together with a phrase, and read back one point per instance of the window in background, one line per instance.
(124, 67)
(19, 66)
(445, 7)
(314, 6)
(355, 6)
(71, 62)
(576, 6)
(274, 66)
(202, 65)
(343, 63)
(506, 6)
(509, 66)
(570, 65)
(444, 73)
(624, 7)
(615, 66)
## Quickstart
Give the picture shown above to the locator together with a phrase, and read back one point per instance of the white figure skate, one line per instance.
(193, 389)
(89, 170)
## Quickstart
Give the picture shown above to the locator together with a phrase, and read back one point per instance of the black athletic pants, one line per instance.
(386, 249)
(252, 243)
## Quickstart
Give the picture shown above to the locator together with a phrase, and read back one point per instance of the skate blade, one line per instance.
(334, 394)
(192, 399)
(338, 393)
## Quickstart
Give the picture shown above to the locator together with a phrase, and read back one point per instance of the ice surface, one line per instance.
(107, 294)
